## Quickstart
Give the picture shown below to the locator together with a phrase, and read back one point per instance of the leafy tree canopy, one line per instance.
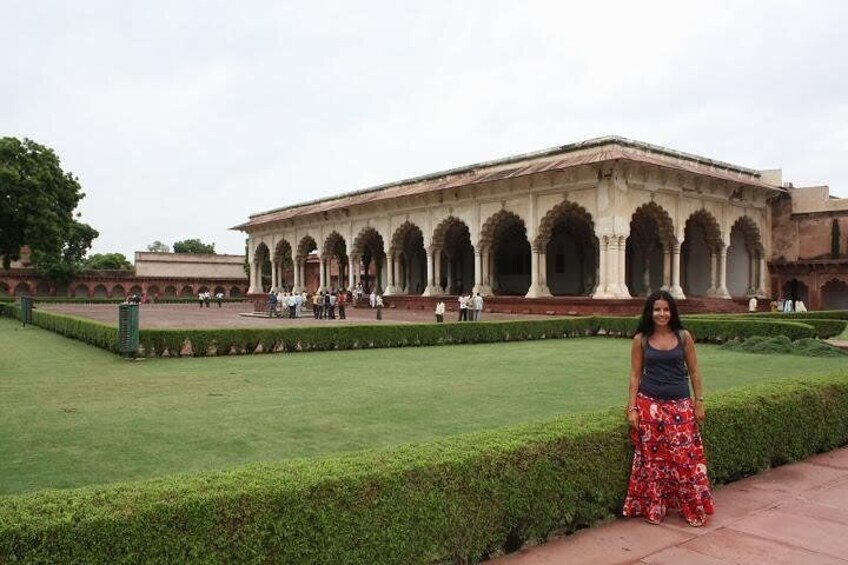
(64, 265)
(194, 246)
(158, 247)
(37, 202)
(108, 261)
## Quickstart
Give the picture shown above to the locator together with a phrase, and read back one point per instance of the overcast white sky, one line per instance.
(183, 118)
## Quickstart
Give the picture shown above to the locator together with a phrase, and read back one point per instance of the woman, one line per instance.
(669, 468)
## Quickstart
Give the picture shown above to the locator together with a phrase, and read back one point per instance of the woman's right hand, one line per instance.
(633, 418)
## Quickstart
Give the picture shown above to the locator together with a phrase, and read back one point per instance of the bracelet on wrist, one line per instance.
(633, 409)
(700, 398)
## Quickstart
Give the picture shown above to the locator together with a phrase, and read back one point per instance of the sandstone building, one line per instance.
(607, 218)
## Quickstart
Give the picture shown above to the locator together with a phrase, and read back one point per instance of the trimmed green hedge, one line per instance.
(203, 342)
(460, 499)
(825, 326)
(810, 315)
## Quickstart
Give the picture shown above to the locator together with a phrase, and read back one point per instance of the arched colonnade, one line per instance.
(567, 253)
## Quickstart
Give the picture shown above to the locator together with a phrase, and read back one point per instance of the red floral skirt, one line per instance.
(669, 467)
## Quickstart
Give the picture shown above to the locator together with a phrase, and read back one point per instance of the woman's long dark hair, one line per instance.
(646, 322)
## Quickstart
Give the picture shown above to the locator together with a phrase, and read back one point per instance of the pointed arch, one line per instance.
(834, 295)
(81, 291)
(262, 262)
(334, 256)
(647, 249)
(744, 258)
(409, 259)
(795, 290)
(503, 239)
(370, 248)
(282, 266)
(305, 246)
(567, 236)
(702, 243)
(452, 244)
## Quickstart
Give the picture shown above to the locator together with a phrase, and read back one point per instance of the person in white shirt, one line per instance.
(752, 304)
(478, 307)
(378, 304)
(440, 311)
(463, 307)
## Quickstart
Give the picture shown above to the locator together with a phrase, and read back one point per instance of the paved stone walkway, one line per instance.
(794, 514)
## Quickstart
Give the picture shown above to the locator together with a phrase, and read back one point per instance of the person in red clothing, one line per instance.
(669, 466)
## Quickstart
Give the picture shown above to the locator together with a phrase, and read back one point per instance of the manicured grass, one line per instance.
(72, 415)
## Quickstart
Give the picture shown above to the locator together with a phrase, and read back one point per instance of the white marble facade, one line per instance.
(607, 218)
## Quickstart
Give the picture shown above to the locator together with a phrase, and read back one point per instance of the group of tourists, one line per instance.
(788, 305)
(205, 298)
(327, 305)
(470, 307)
(286, 304)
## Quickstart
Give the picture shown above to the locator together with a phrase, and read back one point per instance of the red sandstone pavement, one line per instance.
(794, 514)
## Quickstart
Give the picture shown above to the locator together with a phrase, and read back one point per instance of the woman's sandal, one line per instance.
(696, 522)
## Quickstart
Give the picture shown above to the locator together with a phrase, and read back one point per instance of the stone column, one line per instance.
(274, 275)
(613, 288)
(721, 291)
(322, 273)
(430, 289)
(394, 267)
(623, 291)
(255, 280)
(646, 276)
(711, 291)
(437, 271)
(676, 291)
(666, 284)
(538, 286)
(478, 270)
(485, 283)
(351, 283)
(601, 290)
(761, 283)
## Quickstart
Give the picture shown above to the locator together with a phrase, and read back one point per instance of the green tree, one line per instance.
(194, 246)
(158, 247)
(108, 262)
(64, 265)
(37, 202)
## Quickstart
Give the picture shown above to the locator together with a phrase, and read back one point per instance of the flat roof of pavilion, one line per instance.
(598, 150)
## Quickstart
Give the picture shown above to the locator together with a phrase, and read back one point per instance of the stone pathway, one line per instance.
(794, 514)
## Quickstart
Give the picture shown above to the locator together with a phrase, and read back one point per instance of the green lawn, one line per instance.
(72, 415)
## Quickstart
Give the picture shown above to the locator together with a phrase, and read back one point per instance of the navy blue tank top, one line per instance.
(665, 376)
